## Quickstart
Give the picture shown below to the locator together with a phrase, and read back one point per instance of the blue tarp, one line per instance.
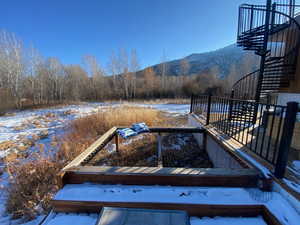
(126, 132)
(136, 129)
(140, 127)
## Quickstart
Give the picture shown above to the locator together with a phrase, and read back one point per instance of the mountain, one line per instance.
(221, 60)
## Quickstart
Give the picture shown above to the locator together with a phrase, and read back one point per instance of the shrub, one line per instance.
(32, 186)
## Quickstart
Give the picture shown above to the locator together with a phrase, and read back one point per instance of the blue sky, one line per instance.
(68, 29)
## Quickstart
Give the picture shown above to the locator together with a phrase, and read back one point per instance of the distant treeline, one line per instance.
(27, 78)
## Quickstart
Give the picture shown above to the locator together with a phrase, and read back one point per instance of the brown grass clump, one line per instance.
(99, 123)
(139, 152)
(84, 131)
(6, 145)
(31, 188)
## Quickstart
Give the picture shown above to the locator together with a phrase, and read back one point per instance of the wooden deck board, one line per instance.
(191, 209)
(162, 176)
(199, 210)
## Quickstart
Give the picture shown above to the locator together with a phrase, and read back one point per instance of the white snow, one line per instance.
(176, 109)
(71, 218)
(227, 220)
(296, 167)
(266, 172)
(192, 195)
(293, 185)
(26, 124)
(123, 193)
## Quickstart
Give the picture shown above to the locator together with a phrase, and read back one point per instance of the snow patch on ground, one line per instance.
(175, 109)
(26, 128)
(71, 218)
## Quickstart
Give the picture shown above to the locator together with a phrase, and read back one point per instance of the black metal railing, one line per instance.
(260, 127)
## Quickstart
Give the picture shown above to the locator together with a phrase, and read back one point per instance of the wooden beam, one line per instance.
(192, 209)
(62, 206)
(269, 216)
(173, 129)
(159, 150)
(287, 188)
(162, 176)
(93, 149)
(117, 142)
(176, 130)
(46, 218)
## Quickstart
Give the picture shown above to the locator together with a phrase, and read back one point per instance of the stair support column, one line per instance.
(263, 55)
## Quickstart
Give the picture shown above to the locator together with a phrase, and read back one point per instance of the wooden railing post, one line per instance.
(117, 142)
(286, 139)
(208, 109)
(159, 148)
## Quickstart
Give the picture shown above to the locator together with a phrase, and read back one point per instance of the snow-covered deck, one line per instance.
(197, 201)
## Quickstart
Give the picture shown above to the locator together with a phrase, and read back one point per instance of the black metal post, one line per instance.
(292, 8)
(286, 139)
(230, 105)
(263, 53)
(251, 17)
(273, 15)
(208, 109)
(192, 103)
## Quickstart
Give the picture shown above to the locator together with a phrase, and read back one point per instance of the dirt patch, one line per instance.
(132, 152)
(50, 115)
(182, 150)
(43, 134)
(178, 150)
(15, 156)
(68, 112)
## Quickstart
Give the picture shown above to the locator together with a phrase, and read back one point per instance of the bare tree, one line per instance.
(163, 68)
(33, 61)
(113, 68)
(184, 67)
(134, 67)
(97, 76)
(12, 65)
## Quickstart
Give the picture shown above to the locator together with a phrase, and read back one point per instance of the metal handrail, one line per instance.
(244, 77)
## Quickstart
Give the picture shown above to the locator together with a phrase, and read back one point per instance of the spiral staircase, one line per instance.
(273, 33)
